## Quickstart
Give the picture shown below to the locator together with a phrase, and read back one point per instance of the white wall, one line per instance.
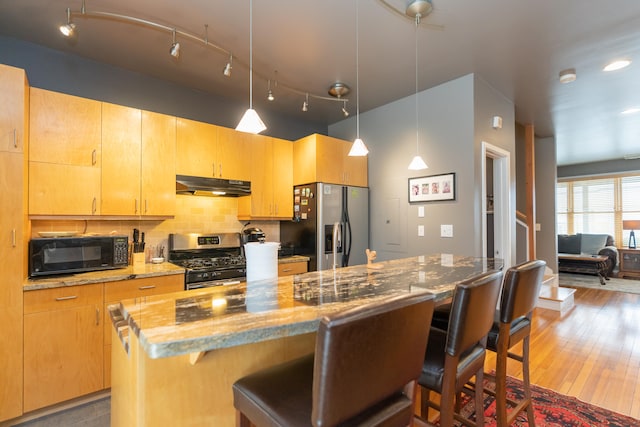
(450, 136)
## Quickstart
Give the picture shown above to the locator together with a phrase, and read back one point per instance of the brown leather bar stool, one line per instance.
(363, 372)
(457, 354)
(512, 325)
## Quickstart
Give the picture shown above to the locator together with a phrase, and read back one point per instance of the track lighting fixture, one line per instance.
(175, 46)
(251, 122)
(68, 28)
(270, 96)
(305, 104)
(358, 149)
(228, 67)
(344, 109)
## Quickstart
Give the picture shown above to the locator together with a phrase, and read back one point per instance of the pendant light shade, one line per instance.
(251, 122)
(417, 163)
(358, 149)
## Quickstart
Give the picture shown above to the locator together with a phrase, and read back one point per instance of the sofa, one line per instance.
(577, 252)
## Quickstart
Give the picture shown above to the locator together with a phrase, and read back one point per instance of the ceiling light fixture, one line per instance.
(344, 109)
(68, 28)
(417, 163)
(617, 65)
(175, 46)
(358, 148)
(228, 67)
(251, 122)
(568, 75)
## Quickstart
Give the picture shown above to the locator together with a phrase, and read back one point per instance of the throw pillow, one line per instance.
(592, 243)
(569, 243)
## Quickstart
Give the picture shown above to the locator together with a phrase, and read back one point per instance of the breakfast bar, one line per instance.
(181, 352)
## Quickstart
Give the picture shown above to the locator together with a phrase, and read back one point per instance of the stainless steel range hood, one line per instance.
(201, 186)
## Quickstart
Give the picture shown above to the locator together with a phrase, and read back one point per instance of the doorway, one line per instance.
(498, 217)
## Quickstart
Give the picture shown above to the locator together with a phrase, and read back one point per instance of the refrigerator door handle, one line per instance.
(337, 243)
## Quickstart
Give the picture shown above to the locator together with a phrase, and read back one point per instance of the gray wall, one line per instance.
(453, 120)
(62, 72)
(546, 240)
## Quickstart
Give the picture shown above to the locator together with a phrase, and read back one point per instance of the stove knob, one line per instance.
(205, 275)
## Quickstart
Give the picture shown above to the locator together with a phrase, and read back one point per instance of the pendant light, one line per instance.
(417, 163)
(358, 149)
(251, 122)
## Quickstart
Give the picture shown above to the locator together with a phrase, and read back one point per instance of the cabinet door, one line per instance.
(330, 159)
(282, 178)
(196, 144)
(64, 129)
(261, 176)
(354, 168)
(158, 187)
(13, 108)
(56, 189)
(233, 154)
(63, 347)
(11, 265)
(121, 133)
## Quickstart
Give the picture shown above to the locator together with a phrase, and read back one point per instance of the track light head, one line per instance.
(68, 29)
(174, 50)
(227, 68)
(305, 106)
(270, 96)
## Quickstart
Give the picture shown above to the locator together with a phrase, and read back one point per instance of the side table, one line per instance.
(629, 262)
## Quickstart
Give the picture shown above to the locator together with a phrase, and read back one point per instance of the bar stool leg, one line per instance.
(527, 381)
(501, 379)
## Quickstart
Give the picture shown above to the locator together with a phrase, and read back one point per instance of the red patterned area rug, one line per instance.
(551, 409)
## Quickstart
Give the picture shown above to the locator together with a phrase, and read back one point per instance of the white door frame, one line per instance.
(502, 207)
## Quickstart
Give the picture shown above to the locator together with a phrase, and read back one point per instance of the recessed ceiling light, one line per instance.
(631, 110)
(617, 65)
(568, 75)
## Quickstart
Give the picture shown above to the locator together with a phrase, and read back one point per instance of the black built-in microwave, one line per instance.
(62, 255)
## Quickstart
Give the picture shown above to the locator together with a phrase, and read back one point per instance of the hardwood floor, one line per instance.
(592, 352)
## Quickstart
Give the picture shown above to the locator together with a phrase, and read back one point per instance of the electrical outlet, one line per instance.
(421, 231)
(446, 230)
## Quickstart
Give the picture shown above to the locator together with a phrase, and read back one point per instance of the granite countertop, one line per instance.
(212, 318)
(127, 273)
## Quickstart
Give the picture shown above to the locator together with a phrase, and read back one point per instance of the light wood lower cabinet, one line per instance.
(63, 344)
(291, 268)
(127, 289)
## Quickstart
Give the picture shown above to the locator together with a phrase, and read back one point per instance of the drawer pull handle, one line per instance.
(66, 298)
(144, 288)
(94, 157)
(286, 270)
(94, 205)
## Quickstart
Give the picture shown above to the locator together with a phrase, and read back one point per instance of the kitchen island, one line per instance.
(181, 352)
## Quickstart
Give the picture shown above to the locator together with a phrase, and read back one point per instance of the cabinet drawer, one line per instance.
(290, 268)
(61, 298)
(126, 289)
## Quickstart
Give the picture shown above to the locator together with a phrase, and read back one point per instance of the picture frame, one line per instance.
(433, 188)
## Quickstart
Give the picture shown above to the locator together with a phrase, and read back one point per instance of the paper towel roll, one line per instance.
(262, 260)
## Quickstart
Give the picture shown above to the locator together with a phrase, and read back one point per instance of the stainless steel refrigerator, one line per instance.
(330, 225)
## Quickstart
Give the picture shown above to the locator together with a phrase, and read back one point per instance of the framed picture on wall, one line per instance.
(432, 188)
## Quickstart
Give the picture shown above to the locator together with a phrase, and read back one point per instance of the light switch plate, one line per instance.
(421, 231)
(446, 230)
(420, 211)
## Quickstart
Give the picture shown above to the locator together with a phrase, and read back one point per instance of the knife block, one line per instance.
(138, 260)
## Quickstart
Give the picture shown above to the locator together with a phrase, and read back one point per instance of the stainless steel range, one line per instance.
(209, 259)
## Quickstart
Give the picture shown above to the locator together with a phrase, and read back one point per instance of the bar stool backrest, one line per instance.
(365, 355)
(472, 312)
(520, 290)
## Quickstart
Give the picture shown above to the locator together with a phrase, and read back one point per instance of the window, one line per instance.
(598, 205)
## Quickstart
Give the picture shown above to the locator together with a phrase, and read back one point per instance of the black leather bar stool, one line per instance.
(363, 372)
(457, 354)
(512, 325)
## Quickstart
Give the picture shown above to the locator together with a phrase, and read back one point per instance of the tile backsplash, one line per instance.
(194, 214)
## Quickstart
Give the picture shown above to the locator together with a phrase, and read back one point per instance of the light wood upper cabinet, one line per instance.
(158, 186)
(271, 180)
(121, 147)
(138, 162)
(63, 344)
(207, 150)
(232, 154)
(64, 154)
(64, 129)
(14, 108)
(320, 158)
